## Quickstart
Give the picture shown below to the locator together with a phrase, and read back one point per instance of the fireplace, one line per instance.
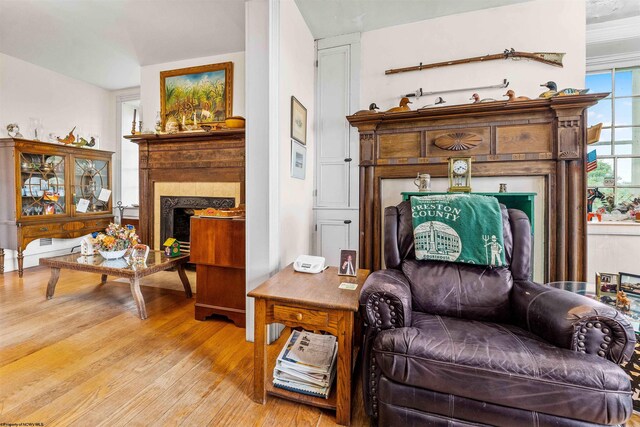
(176, 212)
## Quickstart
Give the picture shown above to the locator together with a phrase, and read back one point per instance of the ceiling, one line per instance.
(328, 18)
(334, 17)
(609, 10)
(104, 42)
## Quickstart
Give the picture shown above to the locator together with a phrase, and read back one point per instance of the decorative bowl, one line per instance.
(112, 254)
(234, 122)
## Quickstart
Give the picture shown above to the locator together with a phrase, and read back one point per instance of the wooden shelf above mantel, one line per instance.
(372, 120)
(194, 135)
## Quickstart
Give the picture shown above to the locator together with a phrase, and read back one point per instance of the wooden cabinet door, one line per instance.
(334, 157)
(218, 242)
(335, 231)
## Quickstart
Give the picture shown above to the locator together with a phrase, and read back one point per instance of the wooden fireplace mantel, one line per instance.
(538, 137)
(216, 156)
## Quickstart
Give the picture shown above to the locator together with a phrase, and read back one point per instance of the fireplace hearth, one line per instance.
(176, 213)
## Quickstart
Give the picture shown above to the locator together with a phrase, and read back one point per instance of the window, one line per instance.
(129, 157)
(618, 173)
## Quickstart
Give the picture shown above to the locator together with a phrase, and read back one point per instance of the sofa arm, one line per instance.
(573, 321)
(385, 300)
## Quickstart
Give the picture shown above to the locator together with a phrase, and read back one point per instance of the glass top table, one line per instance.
(156, 261)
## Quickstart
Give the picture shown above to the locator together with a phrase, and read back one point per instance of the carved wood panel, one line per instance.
(477, 139)
(534, 138)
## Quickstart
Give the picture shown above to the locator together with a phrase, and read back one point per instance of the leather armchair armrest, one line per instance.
(573, 321)
(385, 300)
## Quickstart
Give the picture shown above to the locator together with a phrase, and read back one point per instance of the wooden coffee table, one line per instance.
(315, 303)
(157, 261)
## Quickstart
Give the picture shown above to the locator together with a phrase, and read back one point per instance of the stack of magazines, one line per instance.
(307, 364)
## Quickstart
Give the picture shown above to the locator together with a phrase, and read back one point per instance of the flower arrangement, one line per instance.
(115, 238)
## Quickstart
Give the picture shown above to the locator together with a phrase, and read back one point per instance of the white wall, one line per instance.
(150, 83)
(612, 248)
(28, 90)
(61, 102)
(536, 26)
(297, 69)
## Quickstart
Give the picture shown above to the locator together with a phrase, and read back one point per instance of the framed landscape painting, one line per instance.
(298, 121)
(203, 93)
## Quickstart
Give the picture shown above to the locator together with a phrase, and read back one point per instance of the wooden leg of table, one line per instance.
(53, 280)
(138, 298)
(260, 352)
(103, 279)
(20, 262)
(1, 260)
(343, 377)
(185, 281)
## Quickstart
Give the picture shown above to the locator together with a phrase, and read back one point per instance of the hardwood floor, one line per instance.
(84, 358)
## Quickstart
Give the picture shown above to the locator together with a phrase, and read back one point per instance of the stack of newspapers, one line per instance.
(307, 364)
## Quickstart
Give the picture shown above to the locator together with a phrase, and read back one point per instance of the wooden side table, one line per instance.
(315, 303)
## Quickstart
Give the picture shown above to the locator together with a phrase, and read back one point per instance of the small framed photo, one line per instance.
(298, 121)
(630, 283)
(298, 160)
(348, 266)
(607, 287)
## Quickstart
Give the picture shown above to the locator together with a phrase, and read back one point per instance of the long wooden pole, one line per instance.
(550, 58)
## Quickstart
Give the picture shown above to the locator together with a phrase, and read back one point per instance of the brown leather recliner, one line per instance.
(458, 344)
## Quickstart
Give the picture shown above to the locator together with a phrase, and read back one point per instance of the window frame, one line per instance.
(614, 156)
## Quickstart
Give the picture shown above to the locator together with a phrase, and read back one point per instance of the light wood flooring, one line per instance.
(84, 358)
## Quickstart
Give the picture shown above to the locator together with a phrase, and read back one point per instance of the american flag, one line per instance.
(592, 161)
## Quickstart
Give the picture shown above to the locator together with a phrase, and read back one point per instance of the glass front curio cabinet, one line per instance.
(51, 190)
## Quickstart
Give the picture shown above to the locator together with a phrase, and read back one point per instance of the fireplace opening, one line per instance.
(176, 213)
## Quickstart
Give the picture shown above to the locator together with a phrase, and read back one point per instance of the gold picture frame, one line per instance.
(205, 90)
(607, 287)
(298, 121)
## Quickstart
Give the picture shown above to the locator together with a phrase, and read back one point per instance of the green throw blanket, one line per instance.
(458, 228)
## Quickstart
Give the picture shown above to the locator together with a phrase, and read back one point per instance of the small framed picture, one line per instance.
(607, 286)
(630, 283)
(298, 121)
(298, 160)
(348, 263)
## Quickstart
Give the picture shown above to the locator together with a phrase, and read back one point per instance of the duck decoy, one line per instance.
(402, 107)
(372, 109)
(553, 91)
(438, 101)
(69, 139)
(81, 142)
(512, 96)
(476, 99)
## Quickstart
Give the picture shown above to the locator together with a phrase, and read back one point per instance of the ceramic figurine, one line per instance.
(623, 302)
(86, 246)
(553, 91)
(69, 139)
(402, 107)
(438, 101)
(13, 128)
(81, 142)
(92, 142)
(512, 96)
(476, 99)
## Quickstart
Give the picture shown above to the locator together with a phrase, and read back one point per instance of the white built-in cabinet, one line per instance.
(336, 169)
